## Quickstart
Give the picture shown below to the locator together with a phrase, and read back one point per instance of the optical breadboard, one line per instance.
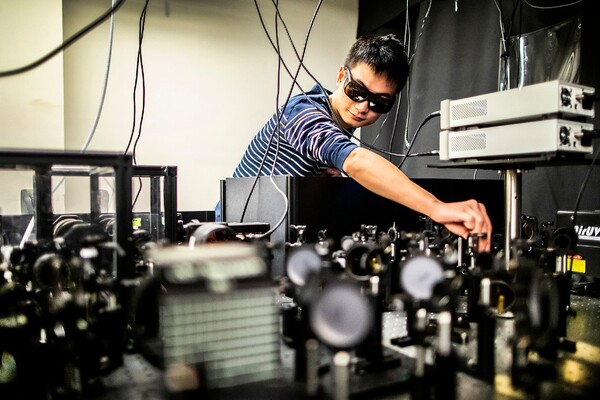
(518, 105)
(528, 138)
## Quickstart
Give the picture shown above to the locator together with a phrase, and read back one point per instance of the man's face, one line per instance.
(355, 114)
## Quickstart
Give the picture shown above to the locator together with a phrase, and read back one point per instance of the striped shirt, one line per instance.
(307, 142)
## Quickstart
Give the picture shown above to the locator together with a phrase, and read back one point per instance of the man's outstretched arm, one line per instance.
(385, 179)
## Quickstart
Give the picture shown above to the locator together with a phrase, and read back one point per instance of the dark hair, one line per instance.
(385, 54)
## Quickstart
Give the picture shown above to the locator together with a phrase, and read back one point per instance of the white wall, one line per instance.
(210, 79)
(31, 104)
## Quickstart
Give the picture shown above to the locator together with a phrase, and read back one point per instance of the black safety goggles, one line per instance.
(359, 93)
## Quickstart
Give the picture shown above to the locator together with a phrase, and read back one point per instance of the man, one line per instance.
(312, 137)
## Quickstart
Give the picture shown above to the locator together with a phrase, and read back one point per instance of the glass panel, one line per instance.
(58, 197)
(16, 205)
(148, 205)
(544, 55)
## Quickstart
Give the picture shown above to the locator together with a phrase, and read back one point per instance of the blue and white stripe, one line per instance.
(310, 140)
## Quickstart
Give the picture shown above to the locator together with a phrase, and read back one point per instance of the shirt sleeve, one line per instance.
(315, 135)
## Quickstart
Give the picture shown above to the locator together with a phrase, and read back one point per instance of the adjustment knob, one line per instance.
(565, 97)
(564, 136)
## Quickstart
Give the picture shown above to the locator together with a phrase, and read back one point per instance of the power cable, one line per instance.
(410, 55)
(279, 114)
(420, 32)
(425, 120)
(389, 153)
(504, 57)
(66, 43)
(294, 79)
(400, 98)
(111, 35)
(277, 128)
(92, 132)
(291, 75)
(139, 70)
(300, 59)
(317, 81)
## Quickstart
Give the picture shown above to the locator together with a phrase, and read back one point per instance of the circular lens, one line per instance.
(355, 261)
(341, 317)
(419, 276)
(381, 105)
(354, 92)
(301, 262)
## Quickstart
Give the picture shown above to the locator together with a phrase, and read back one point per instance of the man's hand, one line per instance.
(463, 218)
(384, 178)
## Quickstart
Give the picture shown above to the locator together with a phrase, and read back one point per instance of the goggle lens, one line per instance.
(377, 103)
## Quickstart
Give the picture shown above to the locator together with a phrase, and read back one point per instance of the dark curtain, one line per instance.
(456, 54)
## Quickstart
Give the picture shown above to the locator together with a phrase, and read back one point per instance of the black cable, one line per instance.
(389, 153)
(139, 62)
(380, 130)
(280, 114)
(137, 195)
(277, 128)
(142, 27)
(407, 91)
(295, 77)
(520, 66)
(300, 59)
(505, 55)
(507, 33)
(279, 60)
(370, 146)
(512, 16)
(139, 68)
(420, 32)
(64, 44)
(425, 120)
(294, 82)
(291, 75)
(515, 5)
(395, 126)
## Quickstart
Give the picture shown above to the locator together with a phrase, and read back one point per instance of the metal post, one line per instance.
(170, 201)
(43, 204)
(512, 193)
(155, 206)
